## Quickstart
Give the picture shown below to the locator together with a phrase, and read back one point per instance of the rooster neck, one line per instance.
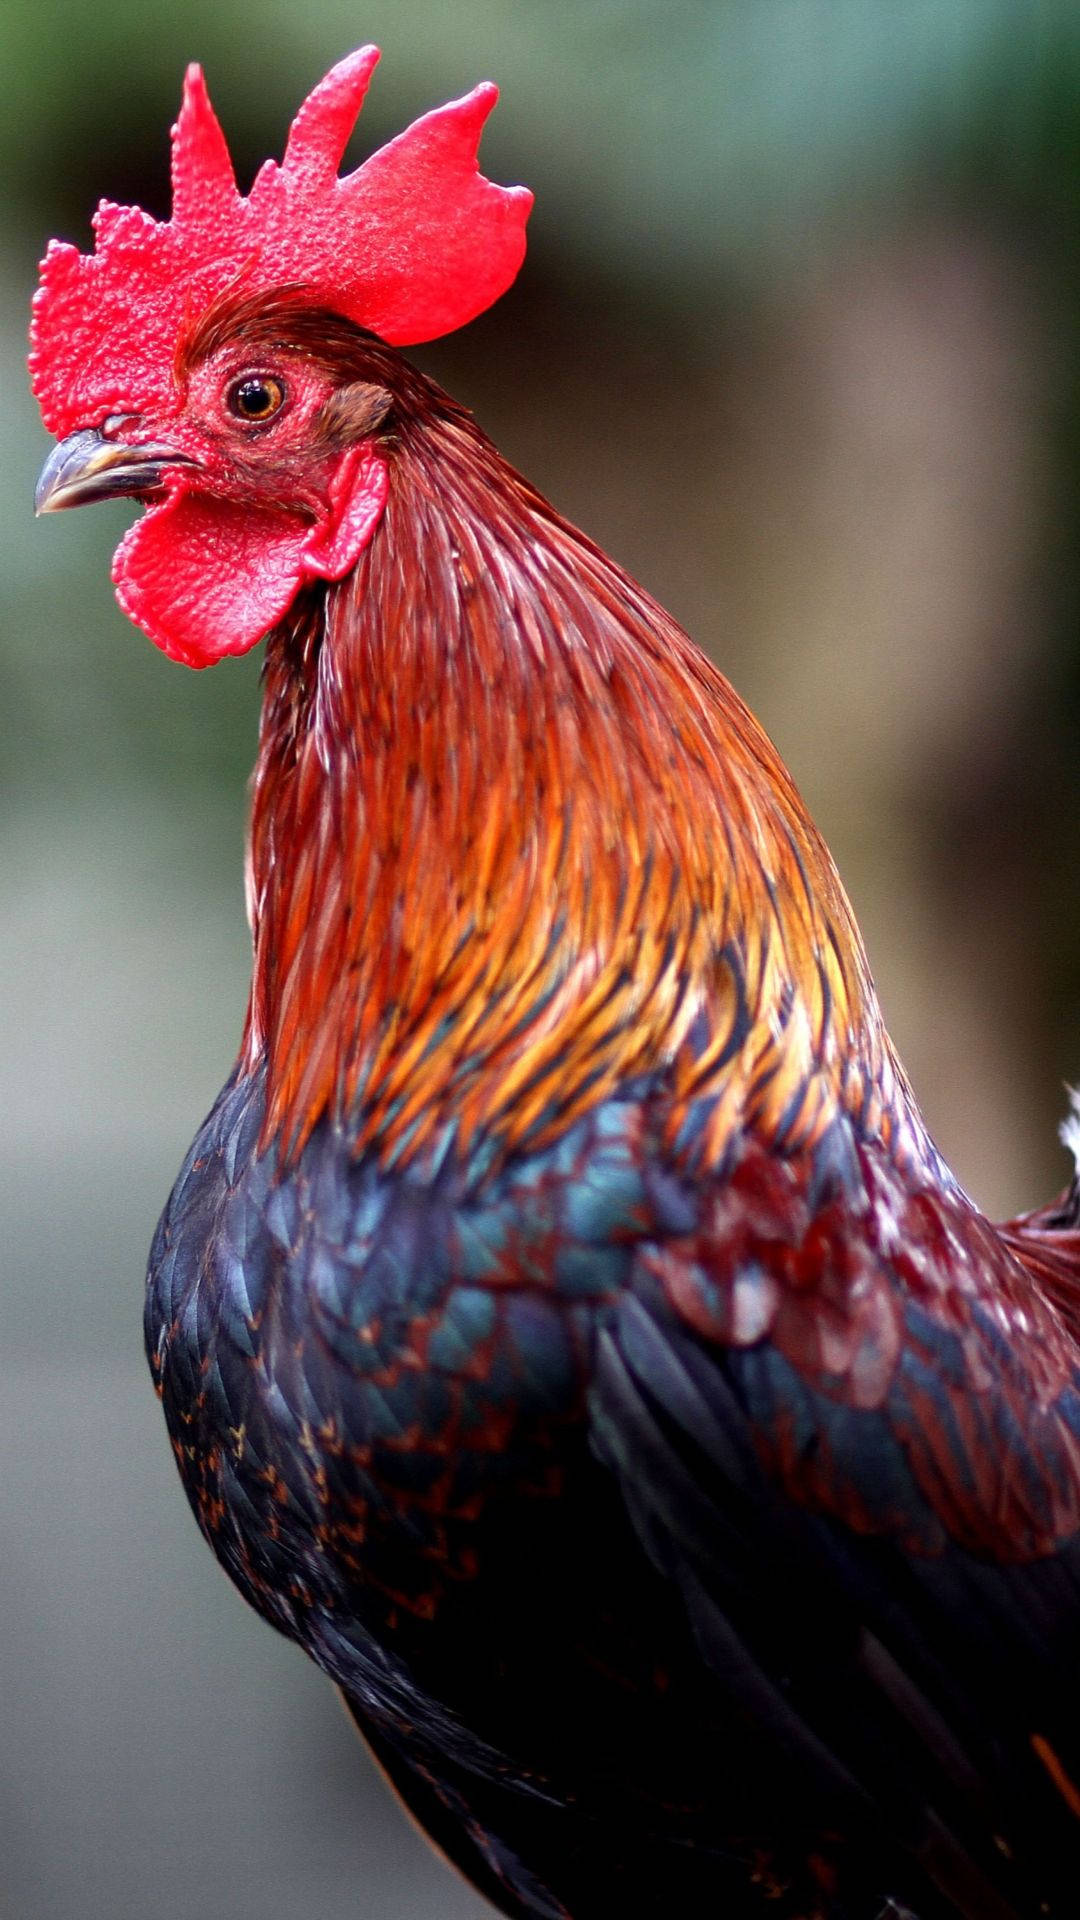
(515, 841)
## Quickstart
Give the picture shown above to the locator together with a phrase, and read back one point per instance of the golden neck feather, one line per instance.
(515, 840)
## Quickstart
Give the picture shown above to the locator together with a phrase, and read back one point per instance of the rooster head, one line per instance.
(207, 365)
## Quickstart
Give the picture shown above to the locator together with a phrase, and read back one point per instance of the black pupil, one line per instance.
(255, 399)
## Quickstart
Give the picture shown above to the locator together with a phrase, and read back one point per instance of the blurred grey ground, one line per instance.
(798, 341)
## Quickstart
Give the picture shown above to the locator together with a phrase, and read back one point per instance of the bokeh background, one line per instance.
(799, 341)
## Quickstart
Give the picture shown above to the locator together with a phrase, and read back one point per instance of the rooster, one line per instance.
(566, 1328)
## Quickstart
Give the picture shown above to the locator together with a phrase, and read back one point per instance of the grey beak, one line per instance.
(87, 467)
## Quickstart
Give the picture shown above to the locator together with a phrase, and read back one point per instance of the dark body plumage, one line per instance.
(566, 1330)
(530, 1532)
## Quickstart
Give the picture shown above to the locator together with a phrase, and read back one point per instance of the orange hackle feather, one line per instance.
(515, 840)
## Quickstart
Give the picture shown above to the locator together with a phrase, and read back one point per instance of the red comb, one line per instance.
(413, 244)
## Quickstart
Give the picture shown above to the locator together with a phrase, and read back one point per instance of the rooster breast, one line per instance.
(601, 1493)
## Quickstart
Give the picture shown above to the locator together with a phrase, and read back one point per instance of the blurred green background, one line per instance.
(798, 341)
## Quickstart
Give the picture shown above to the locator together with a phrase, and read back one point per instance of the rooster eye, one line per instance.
(255, 396)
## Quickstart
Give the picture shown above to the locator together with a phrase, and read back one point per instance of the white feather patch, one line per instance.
(1069, 1130)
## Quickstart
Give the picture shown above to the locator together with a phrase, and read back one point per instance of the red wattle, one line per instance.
(205, 577)
(357, 498)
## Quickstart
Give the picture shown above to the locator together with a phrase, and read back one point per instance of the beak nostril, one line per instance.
(87, 466)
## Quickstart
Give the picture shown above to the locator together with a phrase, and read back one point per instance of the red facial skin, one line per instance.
(256, 509)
